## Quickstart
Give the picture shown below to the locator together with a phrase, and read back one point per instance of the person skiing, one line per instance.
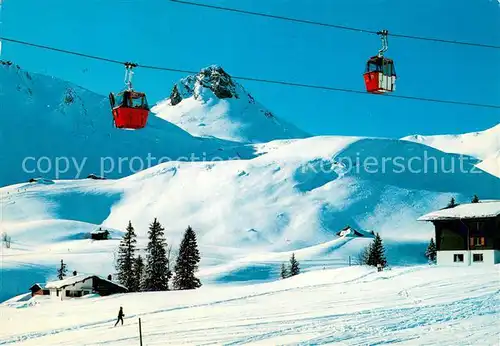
(120, 316)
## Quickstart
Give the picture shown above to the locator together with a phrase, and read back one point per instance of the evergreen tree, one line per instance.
(377, 253)
(452, 203)
(431, 251)
(187, 263)
(126, 254)
(364, 255)
(138, 274)
(61, 272)
(294, 266)
(475, 199)
(284, 271)
(156, 273)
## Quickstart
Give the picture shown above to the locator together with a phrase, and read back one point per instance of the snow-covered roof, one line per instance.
(75, 279)
(465, 211)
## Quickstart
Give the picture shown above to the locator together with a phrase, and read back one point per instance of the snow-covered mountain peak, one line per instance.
(211, 104)
(213, 77)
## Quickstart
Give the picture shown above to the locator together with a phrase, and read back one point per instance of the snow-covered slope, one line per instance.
(349, 306)
(248, 214)
(482, 145)
(211, 104)
(43, 118)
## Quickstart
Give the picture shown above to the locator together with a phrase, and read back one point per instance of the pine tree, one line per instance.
(294, 266)
(187, 262)
(284, 271)
(364, 255)
(61, 272)
(157, 274)
(376, 255)
(126, 254)
(452, 203)
(138, 274)
(475, 199)
(431, 251)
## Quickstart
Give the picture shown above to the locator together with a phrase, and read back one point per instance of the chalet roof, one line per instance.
(490, 208)
(36, 285)
(76, 279)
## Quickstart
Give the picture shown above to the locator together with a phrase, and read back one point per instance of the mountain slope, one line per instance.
(482, 144)
(211, 104)
(43, 119)
(248, 214)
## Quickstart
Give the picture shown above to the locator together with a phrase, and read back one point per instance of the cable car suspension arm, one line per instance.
(128, 74)
(383, 35)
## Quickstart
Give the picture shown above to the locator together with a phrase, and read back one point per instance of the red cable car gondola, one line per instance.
(130, 108)
(380, 74)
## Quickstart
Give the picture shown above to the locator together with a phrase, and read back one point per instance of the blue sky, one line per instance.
(179, 36)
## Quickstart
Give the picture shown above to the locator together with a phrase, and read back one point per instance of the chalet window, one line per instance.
(73, 293)
(458, 257)
(477, 257)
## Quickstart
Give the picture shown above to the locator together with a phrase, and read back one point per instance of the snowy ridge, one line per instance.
(211, 104)
(482, 144)
(59, 119)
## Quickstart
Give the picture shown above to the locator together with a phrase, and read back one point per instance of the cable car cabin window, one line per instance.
(381, 65)
(139, 101)
(388, 69)
(118, 100)
(372, 66)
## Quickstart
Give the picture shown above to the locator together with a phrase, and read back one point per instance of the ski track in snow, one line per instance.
(420, 305)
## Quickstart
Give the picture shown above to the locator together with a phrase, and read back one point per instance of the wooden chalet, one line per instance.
(81, 285)
(467, 234)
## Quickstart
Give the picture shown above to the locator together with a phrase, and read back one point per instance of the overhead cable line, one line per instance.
(251, 79)
(343, 27)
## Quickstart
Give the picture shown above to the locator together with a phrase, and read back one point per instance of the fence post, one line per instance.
(140, 332)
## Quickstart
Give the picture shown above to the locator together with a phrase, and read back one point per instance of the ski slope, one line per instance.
(248, 214)
(422, 305)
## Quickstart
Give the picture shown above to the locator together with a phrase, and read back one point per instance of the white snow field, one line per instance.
(421, 305)
(248, 214)
(483, 145)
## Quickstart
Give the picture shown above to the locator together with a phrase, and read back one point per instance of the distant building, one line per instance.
(468, 234)
(100, 234)
(81, 285)
(37, 290)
